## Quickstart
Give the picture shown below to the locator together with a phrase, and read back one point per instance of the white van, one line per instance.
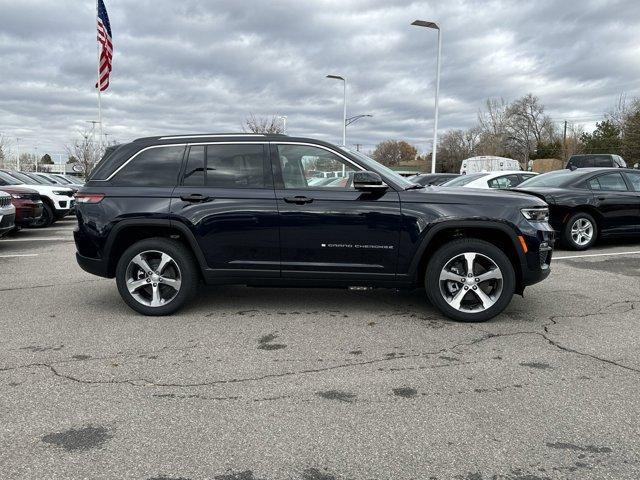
(488, 163)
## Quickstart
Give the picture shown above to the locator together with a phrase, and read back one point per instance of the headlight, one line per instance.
(536, 214)
(60, 192)
(17, 195)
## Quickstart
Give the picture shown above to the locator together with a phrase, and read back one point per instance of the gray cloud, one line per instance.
(201, 66)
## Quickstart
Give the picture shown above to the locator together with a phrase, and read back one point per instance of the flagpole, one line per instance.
(99, 100)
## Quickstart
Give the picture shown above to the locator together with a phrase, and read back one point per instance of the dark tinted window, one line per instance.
(235, 166)
(610, 181)
(155, 167)
(634, 178)
(6, 179)
(581, 161)
(602, 161)
(194, 173)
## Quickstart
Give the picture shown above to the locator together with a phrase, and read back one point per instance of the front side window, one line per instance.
(312, 167)
(610, 181)
(154, 167)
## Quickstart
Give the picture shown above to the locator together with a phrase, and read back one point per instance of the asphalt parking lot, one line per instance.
(250, 384)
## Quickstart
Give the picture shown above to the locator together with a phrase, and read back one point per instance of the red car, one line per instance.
(27, 202)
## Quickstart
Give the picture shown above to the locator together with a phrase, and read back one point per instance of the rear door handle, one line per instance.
(602, 198)
(195, 198)
(298, 200)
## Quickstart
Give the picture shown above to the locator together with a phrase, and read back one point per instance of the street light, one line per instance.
(355, 118)
(344, 109)
(433, 25)
(284, 123)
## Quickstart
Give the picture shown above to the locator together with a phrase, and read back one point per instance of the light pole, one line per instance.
(433, 25)
(36, 147)
(344, 107)
(18, 152)
(284, 123)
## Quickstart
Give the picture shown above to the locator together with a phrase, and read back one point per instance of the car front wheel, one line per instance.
(157, 276)
(470, 280)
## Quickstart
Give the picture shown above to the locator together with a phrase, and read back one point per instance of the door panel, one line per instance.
(618, 205)
(230, 207)
(633, 179)
(332, 229)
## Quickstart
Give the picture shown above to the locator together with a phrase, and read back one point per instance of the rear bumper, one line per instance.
(94, 266)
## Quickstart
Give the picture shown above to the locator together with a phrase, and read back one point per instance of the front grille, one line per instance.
(5, 201)
(7, 220)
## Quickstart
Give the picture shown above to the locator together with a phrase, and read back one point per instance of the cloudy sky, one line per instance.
(204, 66)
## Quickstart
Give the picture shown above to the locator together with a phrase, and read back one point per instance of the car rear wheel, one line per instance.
(156, 276)
(580, 231)
(470, 280)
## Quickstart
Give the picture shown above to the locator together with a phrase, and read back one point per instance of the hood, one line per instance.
(18, 189)
(47, 189)
(473, 196)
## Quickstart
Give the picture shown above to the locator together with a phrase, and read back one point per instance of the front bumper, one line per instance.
(7, 223)
(537, 260)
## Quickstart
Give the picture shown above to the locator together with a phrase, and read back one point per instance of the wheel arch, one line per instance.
(499, 234)
(127, 232)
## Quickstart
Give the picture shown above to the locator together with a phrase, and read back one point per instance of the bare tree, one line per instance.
(85, 150)
(526, 127)
(4, 150)
(255, 124)
(456, 145)
(492, 123)
(394, 152)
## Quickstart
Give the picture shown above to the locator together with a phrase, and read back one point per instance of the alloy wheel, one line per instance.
(471, 282)
(153, 278)
(582, 231)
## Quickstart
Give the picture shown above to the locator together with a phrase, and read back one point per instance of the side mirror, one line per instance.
(368, 182)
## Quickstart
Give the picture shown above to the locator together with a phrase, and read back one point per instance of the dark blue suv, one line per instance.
(162, 214)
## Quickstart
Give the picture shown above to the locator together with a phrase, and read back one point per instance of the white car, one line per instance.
(499, 180)
(57, 200)
(7, 213)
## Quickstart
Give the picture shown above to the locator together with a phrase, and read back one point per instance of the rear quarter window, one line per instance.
(153, 167)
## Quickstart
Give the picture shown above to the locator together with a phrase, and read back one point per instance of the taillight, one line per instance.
(89, 197)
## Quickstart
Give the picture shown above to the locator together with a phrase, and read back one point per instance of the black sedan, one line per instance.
(426, 179)
(589, 203)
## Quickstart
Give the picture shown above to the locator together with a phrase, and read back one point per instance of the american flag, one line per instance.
(106, 47)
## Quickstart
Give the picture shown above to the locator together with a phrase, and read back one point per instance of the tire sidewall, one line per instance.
(185, 262)
(458, 247)
(566, 234)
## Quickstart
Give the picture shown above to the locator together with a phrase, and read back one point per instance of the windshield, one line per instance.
(9, 179)
(379, 168)
(463, 180)
(558, 178)
(45, 179)
(25, 178)
(60, 178)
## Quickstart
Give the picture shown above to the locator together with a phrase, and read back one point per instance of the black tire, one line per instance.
(488, 252)
(185, 261)
(47, 218)
(567, 237)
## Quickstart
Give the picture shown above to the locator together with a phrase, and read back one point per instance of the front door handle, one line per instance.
(298, 200)
(195, 198)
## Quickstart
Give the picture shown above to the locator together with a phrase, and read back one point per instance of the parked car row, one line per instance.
(35, 199)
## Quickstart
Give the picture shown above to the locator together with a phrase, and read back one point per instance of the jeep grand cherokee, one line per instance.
(162, 214)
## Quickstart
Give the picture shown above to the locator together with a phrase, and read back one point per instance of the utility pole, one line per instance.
(564, 142)
(358, 146)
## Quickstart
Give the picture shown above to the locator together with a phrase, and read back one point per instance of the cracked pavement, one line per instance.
(316, 384)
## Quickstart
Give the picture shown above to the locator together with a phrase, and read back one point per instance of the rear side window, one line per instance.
(634, 178)
(235, 166)
(194, 172)
(508, 181)
(154, 167)
(611, 181)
